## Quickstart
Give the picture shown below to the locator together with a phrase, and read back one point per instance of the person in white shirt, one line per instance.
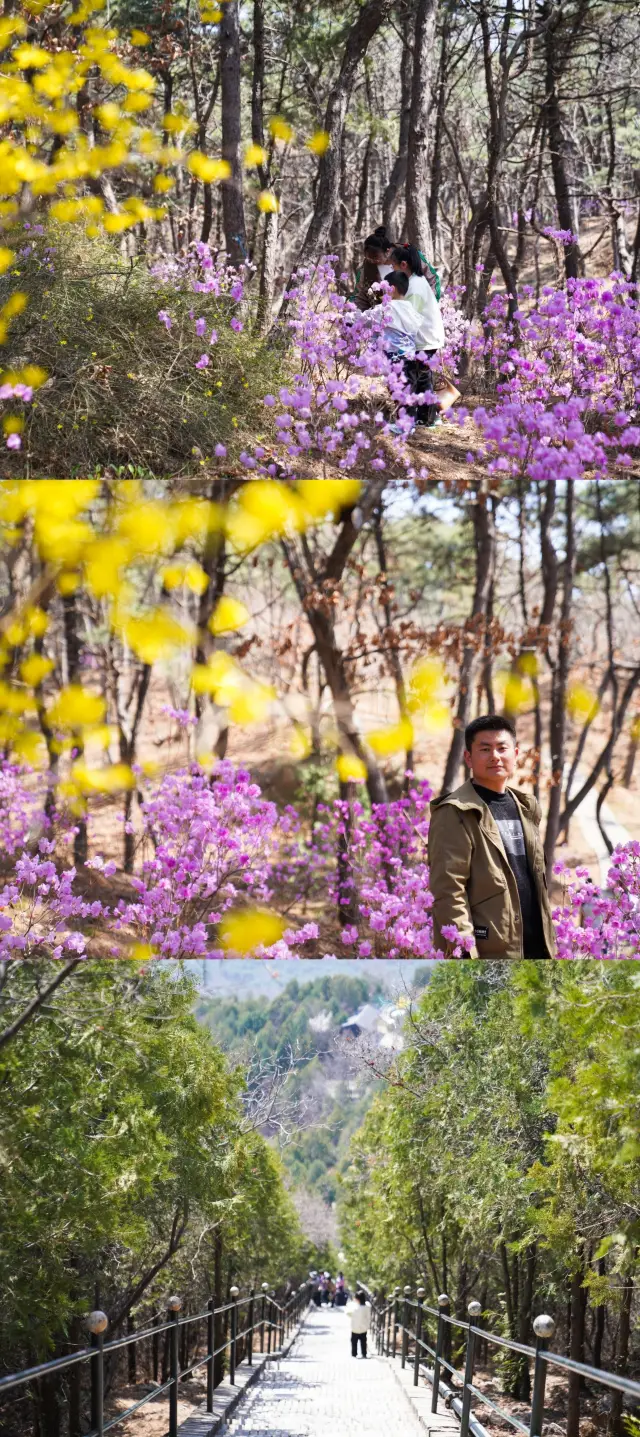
(360, 1315)
(404, 336)
(431, 336)
(402, 332)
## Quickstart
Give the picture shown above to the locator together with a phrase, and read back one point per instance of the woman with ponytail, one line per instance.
(377, 265)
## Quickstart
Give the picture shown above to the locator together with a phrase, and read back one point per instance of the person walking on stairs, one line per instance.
(360, 1315)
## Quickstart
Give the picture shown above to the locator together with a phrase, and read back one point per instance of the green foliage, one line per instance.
(330, 1107)
(120, 1126)
(121, 388)
(503, 1158)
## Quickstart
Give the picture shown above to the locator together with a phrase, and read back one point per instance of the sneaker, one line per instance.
(397, 429)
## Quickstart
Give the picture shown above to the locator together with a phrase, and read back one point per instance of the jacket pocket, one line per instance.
(491, 918)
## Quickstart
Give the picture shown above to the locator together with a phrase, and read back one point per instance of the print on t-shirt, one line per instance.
(512, 835)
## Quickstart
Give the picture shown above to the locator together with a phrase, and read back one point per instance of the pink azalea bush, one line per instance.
(568, 382)
(214, 843)
(212, 838)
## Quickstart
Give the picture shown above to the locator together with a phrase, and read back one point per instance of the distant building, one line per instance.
(383, 1024)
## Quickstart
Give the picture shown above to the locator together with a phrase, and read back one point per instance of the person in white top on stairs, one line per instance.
(360, 1315)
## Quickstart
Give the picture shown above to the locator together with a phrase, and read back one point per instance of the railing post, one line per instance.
(233, 1293)
(174, 1304)
(97, 1323)
(544, 1328)
(265, 1289)
(443, 1305)
(416, 1361)
(269, 1323)
(250, 1326)
(210, 1350)
(474, 1309)
(405, 1326)
(394, 1321)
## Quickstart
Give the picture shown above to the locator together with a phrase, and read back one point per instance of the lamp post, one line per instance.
(544, 1328)
(416, 1363)
(174, 1305)
(97, 1324)
(233, 1293)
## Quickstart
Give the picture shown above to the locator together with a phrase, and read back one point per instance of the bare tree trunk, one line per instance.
(232, 198)
(615, 1427)
(417, 222)
(558, 722)
(556, 56)
(398, 176)
(393, 656)
(73, 649)
(630, 761)
(576, 1349)
(600, 1313)
(372, 15)
(484, 530)
(268, 269)
(363, 191)
(437, 168)
(218, 1323)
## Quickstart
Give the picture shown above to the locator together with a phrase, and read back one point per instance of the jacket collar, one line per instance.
(466, 797)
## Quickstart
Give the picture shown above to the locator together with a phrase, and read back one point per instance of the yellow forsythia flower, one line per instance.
(228, 616)
(391, 740)
(245, 930)
(255, 155)
(209, 171)
(114, 779)
(425, 681)
(351, 769)
(268, 203)
(319, 142)
(518, 694)
(328, 496)
(75, 707)
(280, 129)
(155, 636)
(34, 669)
(581, 703)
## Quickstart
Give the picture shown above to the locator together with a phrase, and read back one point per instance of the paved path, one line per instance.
(321, 1390)
(586, 816)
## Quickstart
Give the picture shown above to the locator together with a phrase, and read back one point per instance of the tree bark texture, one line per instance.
(558, 722)
(417, 221)
(372, 15)
(232, 198)
(485, 553)
(398, 176)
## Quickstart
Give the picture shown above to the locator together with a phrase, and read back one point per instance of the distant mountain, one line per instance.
(299, 1031)
(246, 978)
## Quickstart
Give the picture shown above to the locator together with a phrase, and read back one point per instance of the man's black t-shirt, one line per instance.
(507, 816)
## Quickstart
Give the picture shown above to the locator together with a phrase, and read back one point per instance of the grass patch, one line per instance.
(122, 391)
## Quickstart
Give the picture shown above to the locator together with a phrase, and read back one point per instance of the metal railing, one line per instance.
(408, 1318)
(247, 1315)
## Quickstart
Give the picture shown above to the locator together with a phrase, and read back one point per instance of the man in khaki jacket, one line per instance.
(487, 870)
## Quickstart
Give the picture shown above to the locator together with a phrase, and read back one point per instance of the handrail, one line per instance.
(406, 1314)
(270, 1319)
